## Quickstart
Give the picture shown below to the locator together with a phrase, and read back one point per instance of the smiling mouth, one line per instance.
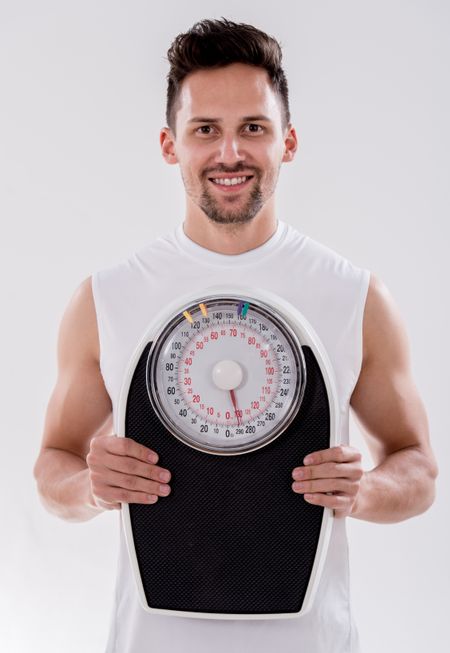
(231, 184)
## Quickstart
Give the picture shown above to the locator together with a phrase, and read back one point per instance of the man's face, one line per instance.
(229, 126)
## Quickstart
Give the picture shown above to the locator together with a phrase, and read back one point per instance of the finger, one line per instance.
(334, 501)
(124, 447)
(113, 495)
(325, 485)
(127, 465)
(340, 454)
(139, 484)
(107, 505)
(328, 470)
(129, 483)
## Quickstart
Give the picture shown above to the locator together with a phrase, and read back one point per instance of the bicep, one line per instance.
(385, 401)
(79, 405)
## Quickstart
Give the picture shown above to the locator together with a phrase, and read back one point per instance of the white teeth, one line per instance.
(230, 182)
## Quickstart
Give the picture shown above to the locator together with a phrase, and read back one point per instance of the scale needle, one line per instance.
(233, 399)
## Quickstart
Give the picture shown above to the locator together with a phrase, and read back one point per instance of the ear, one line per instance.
(290, 144)
(167, 142)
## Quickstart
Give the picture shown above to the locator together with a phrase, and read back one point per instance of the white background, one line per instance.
(83, 184)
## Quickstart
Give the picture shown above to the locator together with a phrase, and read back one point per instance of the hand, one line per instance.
(121, 470)
(330, 478)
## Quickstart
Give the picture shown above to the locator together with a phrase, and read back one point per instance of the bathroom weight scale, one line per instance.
(232, 388)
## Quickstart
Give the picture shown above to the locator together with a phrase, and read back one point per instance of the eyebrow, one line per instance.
(244, 119)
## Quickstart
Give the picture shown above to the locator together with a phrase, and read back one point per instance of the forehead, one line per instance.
(235, 89)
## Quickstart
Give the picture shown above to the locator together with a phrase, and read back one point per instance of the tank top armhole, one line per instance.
(96, 294)
(363, 289)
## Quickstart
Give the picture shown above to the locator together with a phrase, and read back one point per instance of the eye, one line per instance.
(203, 132)
(254, 131)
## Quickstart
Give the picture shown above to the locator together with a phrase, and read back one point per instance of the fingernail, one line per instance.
(164, 489)
(308, 460)
(153, 458)
(165, 476)
(299, 474)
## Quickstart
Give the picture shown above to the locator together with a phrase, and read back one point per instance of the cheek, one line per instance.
(277, 152)
(192, 168)
(196, 164)
(189, 158)
(268, 155)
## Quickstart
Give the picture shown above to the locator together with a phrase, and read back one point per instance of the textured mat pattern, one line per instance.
(232, 537)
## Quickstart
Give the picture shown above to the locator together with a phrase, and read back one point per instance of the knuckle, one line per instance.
(308, 473)
(98, 495)
(153, 472)
(95, 477)
(359, 473)
(98, 443)
(348, 487)
(335, 501)
(122, 446)
(340, 485)
(354, 451)
(132, 482)
(330, 485)
(334, 469)
(93, 444)
(92, 460)
(132, 467)
(156, 488)
(122, 495)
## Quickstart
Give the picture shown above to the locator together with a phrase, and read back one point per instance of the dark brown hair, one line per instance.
(218, 43)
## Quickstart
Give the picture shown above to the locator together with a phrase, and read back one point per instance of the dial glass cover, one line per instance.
(226, 375)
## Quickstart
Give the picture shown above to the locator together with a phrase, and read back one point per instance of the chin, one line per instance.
(230, 220)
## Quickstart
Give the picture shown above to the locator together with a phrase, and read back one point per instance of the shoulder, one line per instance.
(384, 331)
(324, 259)
(144, 261)
(78, 333)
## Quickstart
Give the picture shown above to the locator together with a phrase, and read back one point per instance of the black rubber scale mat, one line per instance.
(232, 537)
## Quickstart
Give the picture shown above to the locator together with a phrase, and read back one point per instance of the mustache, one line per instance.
(242, 168)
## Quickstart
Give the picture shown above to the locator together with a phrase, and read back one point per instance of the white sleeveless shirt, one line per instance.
(330, 292)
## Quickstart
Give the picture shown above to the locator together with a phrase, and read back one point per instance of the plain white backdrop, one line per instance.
(83, 184)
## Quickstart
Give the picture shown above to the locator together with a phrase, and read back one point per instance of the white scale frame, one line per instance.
(306, 336)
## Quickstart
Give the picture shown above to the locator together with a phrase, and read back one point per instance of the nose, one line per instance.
(229, 150)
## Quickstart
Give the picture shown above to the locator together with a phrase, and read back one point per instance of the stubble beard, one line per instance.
(218, 214)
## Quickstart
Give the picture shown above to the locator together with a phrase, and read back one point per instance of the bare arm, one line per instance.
(392, 417)
(81, 470)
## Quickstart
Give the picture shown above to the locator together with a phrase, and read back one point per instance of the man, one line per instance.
(229, 130)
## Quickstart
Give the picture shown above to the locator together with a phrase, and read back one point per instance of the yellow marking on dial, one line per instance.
(188, 316)
(203, 309)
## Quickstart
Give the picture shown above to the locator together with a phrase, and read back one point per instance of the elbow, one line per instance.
(430, 476)
(37, 469)
(433, 474)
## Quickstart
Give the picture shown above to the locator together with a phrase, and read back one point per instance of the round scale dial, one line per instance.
(226, 375)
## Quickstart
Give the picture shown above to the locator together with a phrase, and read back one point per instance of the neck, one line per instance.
(230, 238)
